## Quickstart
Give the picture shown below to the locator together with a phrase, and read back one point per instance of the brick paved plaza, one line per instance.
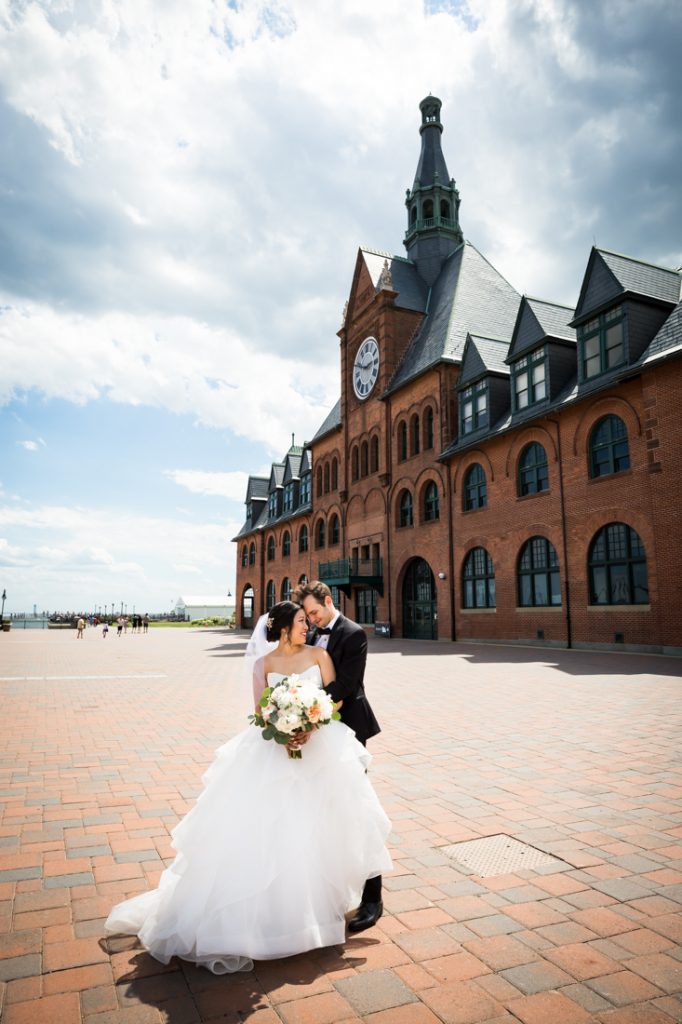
(575, 753)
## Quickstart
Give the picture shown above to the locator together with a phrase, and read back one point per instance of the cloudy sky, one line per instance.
(183, 188)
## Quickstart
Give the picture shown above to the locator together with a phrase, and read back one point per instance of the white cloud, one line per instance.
(167, 363)
(226, 485)
(30, 446)
(51, 554)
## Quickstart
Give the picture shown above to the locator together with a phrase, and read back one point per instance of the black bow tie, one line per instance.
(323, 631)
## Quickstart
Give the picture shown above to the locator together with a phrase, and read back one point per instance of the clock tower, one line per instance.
(433, 230)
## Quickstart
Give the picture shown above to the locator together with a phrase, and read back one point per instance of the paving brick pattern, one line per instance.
(103, 744)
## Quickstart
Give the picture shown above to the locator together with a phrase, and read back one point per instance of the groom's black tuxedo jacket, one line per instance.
(347, 647)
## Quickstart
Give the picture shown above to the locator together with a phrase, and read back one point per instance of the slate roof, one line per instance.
(470, 296)
(610, 275)
(539, 321)
(257, 487)
(276, 475)
(332, 422)
(668, 339)
(411, 288)
(292, 468)
(305, 462)
(481, 357)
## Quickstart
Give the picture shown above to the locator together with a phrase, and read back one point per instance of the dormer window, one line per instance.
(289, 497)
(529, 379)
(249, 511)
(473, 407)
(272, 505)
(304, 495)
(601, 344)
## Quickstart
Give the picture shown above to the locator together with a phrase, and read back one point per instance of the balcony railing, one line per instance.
(346, 572)
(430, 222)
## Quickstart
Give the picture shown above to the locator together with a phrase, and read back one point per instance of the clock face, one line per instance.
(366, 368)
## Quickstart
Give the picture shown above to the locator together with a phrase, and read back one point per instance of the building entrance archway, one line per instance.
(420, 609)
(247, 606)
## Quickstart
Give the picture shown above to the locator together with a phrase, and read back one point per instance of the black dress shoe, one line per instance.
(368, 914)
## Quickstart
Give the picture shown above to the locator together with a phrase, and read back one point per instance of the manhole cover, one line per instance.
(499, 855)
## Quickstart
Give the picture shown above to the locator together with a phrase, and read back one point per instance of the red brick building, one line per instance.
(498, 467)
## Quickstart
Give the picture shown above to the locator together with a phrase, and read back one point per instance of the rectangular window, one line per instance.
(474, 408)
(272, 505)
(529, 379)
(304, 496)
(366, 605)
(289, 497)
(601, 343)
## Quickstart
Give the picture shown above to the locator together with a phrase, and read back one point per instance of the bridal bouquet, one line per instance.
(292, 706)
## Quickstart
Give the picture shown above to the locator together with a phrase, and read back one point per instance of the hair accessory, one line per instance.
(270, 622)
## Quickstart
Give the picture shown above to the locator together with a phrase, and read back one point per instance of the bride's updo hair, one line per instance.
(281, 616)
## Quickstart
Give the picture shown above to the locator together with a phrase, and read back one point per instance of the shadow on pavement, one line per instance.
(181, 991)
(569, 661)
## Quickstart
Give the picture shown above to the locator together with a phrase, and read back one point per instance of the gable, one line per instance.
(600, 287)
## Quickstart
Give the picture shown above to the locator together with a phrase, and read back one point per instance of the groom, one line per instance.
(346, 644)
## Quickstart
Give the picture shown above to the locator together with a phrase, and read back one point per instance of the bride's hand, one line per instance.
(299, 740)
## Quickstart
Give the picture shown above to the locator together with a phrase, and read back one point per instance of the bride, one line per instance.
(276, 850)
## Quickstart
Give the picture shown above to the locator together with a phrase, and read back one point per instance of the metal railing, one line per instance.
(344, 568)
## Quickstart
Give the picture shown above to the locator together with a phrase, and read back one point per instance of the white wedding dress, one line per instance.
(270, 858)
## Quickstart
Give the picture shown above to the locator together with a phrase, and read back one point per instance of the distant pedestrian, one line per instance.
(105, 630)
(145, 621)
(119, 626)
(81, 628)
(125, 624)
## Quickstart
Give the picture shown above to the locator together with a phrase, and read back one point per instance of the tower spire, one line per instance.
(433, 230)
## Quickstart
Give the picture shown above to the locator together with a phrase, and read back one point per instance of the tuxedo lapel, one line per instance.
(335, 635)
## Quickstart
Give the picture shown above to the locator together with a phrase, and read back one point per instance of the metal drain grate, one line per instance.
(499, 855)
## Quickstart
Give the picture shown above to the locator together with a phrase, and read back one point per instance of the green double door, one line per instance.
(419, 602)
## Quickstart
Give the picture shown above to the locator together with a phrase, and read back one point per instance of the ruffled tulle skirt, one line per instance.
(270, 859)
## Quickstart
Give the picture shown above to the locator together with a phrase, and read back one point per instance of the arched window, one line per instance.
(617, 567)
(286, 544)
(286, 589)
(247, 605)
(475, 491)
(533, 473)
(478, 580)
(364, 459)
(334, 530)
(402, 441)
(252, 554)
(538, 574)
(245, 557)
(413, 215)
(414, 435)
(271, 549)
(320, 533)
(302, 579)
(405, 517)
(445, 209)
(428, 428)
(335, 474)
(374, 455)
(318, 482)
(354, 463)
(303, 539)
(608, 446)
(431, 503)
(270, 595)
(427, 208)
(326, 478)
